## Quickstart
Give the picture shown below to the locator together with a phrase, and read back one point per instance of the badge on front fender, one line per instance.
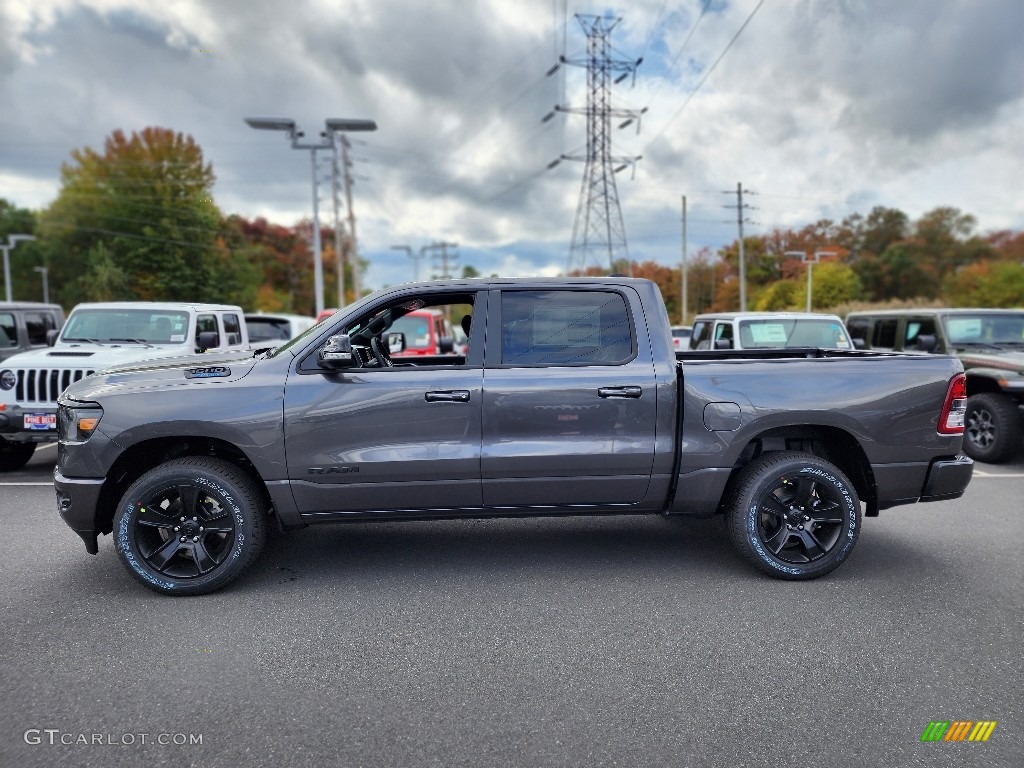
(207, 373)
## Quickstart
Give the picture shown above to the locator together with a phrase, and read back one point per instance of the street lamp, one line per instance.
(810, 261)
(46, 283)
(334, 124)
(414, 256)
(12, 240)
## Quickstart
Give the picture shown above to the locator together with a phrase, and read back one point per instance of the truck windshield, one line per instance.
(793, 332)
(985, 328)
(151, 326)
(416, 329)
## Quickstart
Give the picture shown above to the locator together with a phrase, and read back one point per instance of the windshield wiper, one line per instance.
(984, 344)
(135, 341)
(91, 341)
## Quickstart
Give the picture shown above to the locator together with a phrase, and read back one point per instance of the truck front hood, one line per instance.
(192, 370)
(91, 356)
(1010, 360)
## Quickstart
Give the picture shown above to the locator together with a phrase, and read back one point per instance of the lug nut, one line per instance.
(195, 538)
(183, 519)
(806, 517)
(194, 519)
(183, 538)
(201, 529)
(800, 527)
(789, 526)
(177, 527)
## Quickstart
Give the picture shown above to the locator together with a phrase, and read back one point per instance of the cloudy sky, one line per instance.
(821, 108)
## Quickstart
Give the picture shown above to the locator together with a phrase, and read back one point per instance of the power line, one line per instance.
(708, 73)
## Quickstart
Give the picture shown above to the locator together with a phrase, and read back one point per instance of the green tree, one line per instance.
(25, 283)
(780, 296)
(833, 283)
(147, 198)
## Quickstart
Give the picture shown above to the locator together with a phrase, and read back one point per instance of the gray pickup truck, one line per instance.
(569, 399)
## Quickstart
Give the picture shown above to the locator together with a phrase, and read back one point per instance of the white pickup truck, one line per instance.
(97, 336)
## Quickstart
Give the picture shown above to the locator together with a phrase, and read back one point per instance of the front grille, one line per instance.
(43, 385)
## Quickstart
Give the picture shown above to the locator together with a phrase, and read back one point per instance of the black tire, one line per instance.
(159, 528)
(992, 428)
(793, 515)
(14, 455)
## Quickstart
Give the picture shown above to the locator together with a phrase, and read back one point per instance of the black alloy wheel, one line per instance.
(190, 526)
(992, 428)
(793, 515)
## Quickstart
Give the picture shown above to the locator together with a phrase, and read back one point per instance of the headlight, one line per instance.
(75, 424)
(8, 379)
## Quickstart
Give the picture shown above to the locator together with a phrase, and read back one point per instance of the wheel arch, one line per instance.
(147, 454)
(832, 444)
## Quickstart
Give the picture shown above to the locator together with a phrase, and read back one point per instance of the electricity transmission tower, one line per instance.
(598, 233)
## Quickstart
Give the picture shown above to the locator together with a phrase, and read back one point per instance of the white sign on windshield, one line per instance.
(768, 333)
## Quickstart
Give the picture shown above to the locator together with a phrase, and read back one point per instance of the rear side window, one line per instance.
(37, 324)
(233, 329)
(8, 331)
(884, 336)
(565, 328)
(700, 336)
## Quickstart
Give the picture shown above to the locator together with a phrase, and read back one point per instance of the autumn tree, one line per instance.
(986, 284)
(141, 214)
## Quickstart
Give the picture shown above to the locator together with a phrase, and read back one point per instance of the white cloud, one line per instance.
(823, 107)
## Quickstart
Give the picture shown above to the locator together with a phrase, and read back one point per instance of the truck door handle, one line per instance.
(620, 392)
(449, 396)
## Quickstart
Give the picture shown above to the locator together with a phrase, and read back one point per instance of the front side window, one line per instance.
(565, 328)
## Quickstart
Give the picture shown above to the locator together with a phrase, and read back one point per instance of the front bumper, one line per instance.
(947, 478)
(14, 425)
(77, 500)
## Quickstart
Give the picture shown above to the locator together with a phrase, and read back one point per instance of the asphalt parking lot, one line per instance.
(613, 641)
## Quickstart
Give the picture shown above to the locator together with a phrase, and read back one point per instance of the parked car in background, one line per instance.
(427, 332)
(25, 325)
(681, 337)
(271, 329)
(989, 343)
(97, 336)
(769, 330)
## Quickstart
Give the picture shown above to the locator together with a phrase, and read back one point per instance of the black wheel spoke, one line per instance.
(203, 559)
(771, 504)
(803, 492)
(189, 496)
(163, 555)
(812, 547)
(826, 513)
(149, 517)
(778, 540)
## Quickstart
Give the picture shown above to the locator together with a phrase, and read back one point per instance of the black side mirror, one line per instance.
(51, 337)
(927, 342)
(396, 343)
(723, 343)
(207, 340)
(858, 343)
(337, 352)
(446, 345)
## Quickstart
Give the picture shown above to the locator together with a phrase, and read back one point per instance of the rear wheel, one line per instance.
(14, 455)
(190, 526)
(793, 515)
(992, 429)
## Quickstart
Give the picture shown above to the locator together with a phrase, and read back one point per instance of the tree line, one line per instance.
(137, 221)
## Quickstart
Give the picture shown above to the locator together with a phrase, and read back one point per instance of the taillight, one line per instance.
(951, 420)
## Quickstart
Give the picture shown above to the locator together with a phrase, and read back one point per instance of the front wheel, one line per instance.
(190, 526)
(992, 430)
(793, 515)
(14, 455)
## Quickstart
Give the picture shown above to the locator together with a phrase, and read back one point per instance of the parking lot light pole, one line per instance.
(810, 261)
(46, 283)
(12, 240)
(288, 126)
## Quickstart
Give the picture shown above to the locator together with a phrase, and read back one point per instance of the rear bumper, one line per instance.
(77, 499)
(947, 478)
